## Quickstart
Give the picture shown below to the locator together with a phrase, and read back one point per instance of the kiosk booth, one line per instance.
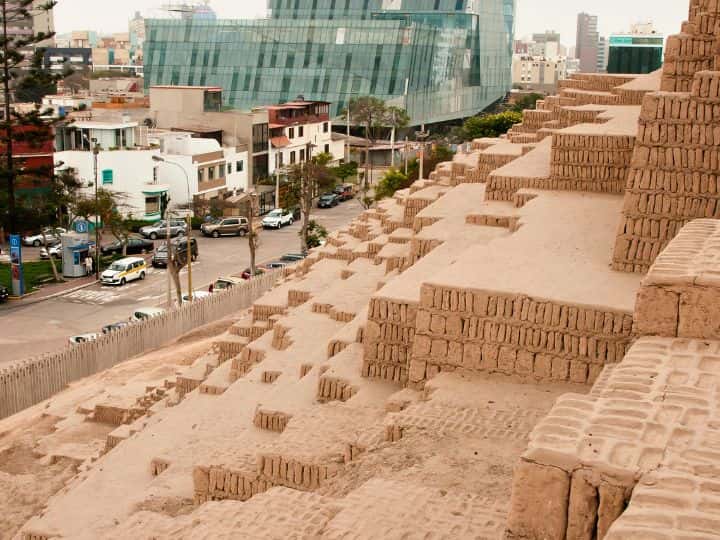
(75, 249)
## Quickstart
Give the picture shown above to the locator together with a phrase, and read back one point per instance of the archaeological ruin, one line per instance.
(524, 345)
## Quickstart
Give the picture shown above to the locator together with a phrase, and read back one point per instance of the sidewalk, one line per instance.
(52, 290)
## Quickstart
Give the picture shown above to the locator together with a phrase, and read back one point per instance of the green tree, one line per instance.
(492, 125)
(345, 170)
(108, 206)
(438, 154)
(39, 82)
(527, 102)
(392, 181)
(316, 234)
(305, 181)
(14, 13)
(376, 117)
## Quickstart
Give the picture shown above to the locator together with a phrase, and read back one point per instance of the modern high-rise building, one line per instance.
(638, 51)
(602, 55)
(438, 59)
(586, 45)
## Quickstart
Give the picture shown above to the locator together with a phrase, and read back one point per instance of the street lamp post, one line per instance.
(422, 135)
(160, 159)
(96, 152)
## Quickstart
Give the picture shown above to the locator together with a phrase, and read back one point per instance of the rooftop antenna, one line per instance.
(184, 9)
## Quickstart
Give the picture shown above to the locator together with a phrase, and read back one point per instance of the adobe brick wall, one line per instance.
(674, 174)
(532, 338)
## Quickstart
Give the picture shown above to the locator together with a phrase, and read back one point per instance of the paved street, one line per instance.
(33, 329)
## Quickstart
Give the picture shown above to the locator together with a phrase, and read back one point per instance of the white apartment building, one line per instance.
(142, 168)
(300, 128)
(538, 72)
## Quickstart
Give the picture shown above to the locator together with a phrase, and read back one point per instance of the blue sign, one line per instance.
(18, 283)
(81, 227)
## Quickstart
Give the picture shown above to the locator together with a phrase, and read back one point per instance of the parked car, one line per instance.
(277, 218)
(114, 326)
(124, 270)
(293, 257)
(143, 314)
(275, 265)
(135, 246)
(52, 234)
(259, 270)
(159, 229)
(160, 257)
(55, 252)
(229, 226)
(224, 283)
(328, 200)
(197, 295)
(4, 294)
(83, 338)
(344, 192)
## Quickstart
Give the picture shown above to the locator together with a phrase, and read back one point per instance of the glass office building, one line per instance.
(635, 53)
(439, 59)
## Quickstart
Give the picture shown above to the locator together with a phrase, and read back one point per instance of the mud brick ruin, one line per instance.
(524, 345)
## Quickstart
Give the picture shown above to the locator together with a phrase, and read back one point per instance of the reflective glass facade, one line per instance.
(439, 59)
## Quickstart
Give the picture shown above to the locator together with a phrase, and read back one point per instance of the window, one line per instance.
(301, 131)
(201, 175)
(152, 205)
(302, 155)
(325, 127)
(292, 157)
(107, 176)
(327, 148)
(239, 166)
(221, 174)
(291, 133)
(260, 137)
(211, 173)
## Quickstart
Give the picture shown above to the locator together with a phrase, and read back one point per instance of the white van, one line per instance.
(124, 270)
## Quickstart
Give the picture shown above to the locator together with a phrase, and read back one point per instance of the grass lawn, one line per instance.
(37, 272)
(34, 271)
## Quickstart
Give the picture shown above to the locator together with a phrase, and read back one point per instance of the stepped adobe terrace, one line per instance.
(497, 351)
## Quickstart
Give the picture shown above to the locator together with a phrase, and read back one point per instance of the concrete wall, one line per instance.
(132, 172)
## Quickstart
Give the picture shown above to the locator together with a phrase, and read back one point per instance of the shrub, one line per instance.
(392, 181)
(492, 125)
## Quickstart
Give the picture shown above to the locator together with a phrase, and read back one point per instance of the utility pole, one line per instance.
(96, 152)
(422, 135)
(392, 142)
(347, 140)
(277, 187)
(406, 156)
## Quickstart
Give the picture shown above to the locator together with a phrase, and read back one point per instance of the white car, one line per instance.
(55, 252)
(197, 295)
(51, 234)
(142, 314)
(124, 270)
(83, 338)
(277, 218)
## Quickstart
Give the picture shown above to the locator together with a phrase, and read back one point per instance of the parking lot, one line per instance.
(30, 330)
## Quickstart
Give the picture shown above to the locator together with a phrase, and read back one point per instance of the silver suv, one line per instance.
(159, 229)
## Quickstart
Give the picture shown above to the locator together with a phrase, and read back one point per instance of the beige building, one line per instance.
(43, 21)
(80, 39)
(198, 110)
(538, 72)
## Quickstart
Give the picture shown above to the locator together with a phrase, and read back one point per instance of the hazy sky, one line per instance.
(533, 15)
